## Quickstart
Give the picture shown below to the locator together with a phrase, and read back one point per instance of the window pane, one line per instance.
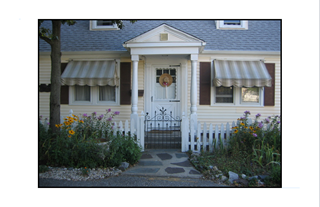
(231, 22)
(82, 93)
(250, 95)
(159, 72)
(104, 23)
(166, 71)
(224, 90)
(107, 93)
(224, 100)
(224, 94)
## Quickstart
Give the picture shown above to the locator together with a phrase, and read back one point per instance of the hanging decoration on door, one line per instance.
(165, 80)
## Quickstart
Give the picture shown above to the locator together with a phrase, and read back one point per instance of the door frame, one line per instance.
(156, 60)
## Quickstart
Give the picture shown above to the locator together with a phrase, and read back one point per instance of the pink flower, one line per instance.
(84, 115)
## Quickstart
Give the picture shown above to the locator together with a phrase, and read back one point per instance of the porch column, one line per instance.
(134, 93)
(193, 89)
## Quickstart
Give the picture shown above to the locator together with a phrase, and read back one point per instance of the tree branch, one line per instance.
(48, 40)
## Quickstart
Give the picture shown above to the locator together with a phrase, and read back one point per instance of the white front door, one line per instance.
(166, 96)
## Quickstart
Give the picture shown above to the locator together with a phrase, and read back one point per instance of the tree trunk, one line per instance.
(55, 76)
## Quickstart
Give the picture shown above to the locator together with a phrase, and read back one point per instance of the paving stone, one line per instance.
(143, 170)
(194, 172)
(149, 163)
(179, 155)
(183, 164)
(146, 156)
(172, 170)
(164, 156)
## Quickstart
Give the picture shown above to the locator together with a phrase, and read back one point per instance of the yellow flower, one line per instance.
(69, 136)
(57, 125)
(242, 124)
(66, 123)
(71, 132)
(251, 128)
(235, 131)
(81, 121)
(246, 127)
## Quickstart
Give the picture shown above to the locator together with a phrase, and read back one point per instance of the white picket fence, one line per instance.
(135, 130)
(202, 137)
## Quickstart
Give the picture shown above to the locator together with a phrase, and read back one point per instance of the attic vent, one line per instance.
(164, 37)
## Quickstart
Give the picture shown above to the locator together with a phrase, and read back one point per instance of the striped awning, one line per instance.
(91, 73)
(241, 73)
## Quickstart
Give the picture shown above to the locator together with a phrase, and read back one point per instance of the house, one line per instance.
(208, 70)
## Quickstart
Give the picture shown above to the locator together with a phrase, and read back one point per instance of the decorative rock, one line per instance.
(256, 177)
(241, 181)
(123, 166)
(243, 176)
(215, 168)
(263, 177)
(223, 178)
(233, 176)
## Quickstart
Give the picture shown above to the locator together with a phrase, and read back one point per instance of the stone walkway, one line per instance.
(164, 162)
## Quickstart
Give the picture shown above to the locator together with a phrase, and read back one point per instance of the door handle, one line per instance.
(174, 100)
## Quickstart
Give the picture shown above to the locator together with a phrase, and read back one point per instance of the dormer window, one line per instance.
(232, 24)
(103, 25)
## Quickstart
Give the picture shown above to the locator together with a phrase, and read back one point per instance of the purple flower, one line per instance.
(84, 115)
(260, 125)
(278, 122)
(48, 123)
(255, 135)
(109, 119)
(94, 113)
(267, 120)
(100, 117)
(40, 117)
(247, 112)
(258, 115)
(108, 110)
(116, 112)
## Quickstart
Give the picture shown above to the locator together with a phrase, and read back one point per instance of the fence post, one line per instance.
(216, 133)
(199, 137)
(126, 127)
(227, 134)
(204, 137)
(222, 134)
(210, 138)
(140, 131)
(192, 134)
(132, 129)
(184, 133)
(70, 112)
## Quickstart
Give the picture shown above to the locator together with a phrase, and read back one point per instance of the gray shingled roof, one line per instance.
(261, 35)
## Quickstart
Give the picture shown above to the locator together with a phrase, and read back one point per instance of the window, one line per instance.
(93, 95)
(224, 94)
(232, 24)
(107, 93)
(82, 93)
(250, 95)
(235, 96)
(103, 25)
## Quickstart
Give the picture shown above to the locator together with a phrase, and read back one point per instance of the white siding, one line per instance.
(224, 114)
(44, 97)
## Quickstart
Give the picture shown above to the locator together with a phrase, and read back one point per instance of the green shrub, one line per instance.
(43, 168)
(123, 148)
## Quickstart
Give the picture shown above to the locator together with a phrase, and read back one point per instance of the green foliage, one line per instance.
(252, 150)
(76, 143)
(123, 148)
(85, 171)
(43, 168)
